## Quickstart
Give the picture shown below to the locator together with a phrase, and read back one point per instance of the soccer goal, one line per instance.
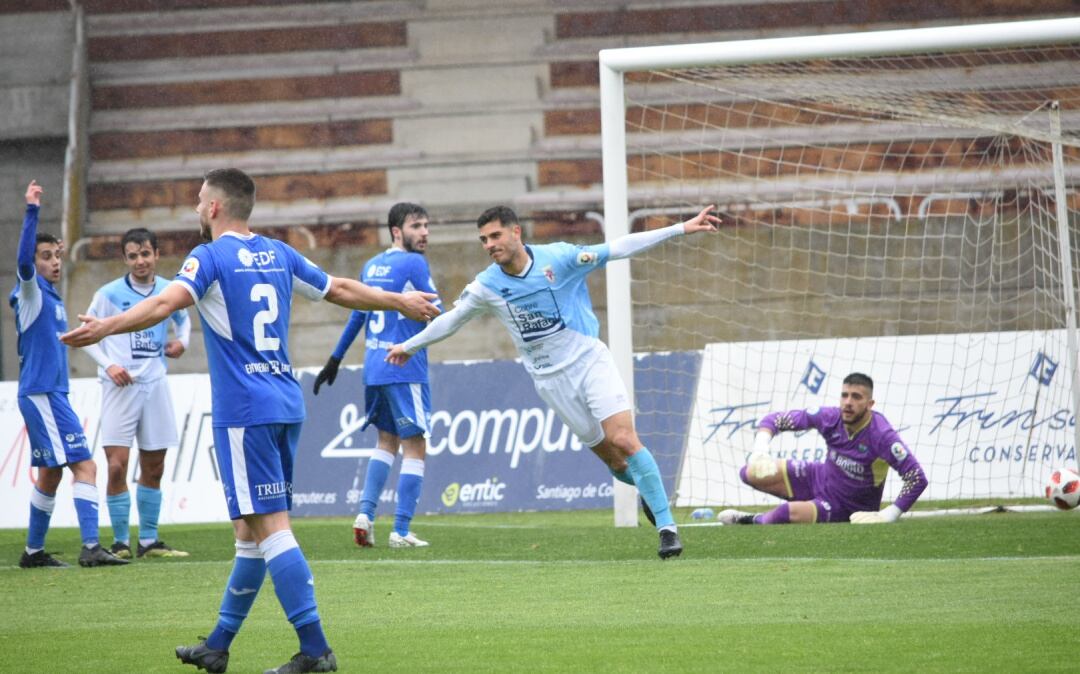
(902, 203)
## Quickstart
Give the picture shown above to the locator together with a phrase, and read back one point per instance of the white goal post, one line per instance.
(896, 201)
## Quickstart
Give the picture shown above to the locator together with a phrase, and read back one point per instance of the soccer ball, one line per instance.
(1063, 488)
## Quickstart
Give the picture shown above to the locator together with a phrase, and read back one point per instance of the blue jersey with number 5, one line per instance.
(243, 289)
(393, 270)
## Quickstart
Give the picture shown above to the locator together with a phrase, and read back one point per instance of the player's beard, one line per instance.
(855, 421)
(410, 245)
(205, 232)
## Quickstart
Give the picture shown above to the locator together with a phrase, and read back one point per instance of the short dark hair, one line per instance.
(138, 236)
(239, 191)
(399, 213)
(504, 214)
(860, 379)
(44, 237)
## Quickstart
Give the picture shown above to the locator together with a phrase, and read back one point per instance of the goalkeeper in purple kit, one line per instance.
(847, 486)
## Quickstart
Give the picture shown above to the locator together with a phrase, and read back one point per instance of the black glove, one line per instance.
(328, 374)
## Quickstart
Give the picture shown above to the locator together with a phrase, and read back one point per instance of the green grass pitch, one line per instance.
(567, 592)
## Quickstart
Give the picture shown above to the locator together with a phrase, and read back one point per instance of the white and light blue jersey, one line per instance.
(547, 308)
(40, 319)
(141, 353)
(243, 286)
(393, 270)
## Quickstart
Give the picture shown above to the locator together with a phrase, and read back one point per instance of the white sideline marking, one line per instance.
(644, 560)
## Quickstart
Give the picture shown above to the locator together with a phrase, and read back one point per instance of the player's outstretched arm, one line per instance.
(145, 314)
(346, 292)
(702, 222)
(639, 242)
(436, 331)
(28, 238)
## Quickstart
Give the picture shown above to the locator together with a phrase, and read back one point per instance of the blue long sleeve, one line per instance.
(28, 243)
(352, 329)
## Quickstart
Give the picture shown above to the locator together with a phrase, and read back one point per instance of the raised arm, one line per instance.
(150, 311)
(28, 237)
(352, 294)
(632, 244)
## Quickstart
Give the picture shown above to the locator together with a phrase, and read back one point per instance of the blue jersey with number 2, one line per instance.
(243, 289)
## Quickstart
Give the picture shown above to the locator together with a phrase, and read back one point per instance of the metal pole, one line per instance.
(616, 224)
(1065, 248)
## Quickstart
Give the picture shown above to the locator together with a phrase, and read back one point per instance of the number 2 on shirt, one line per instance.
(259, 292)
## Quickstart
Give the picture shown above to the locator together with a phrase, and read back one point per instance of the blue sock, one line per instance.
(86, 507)
(246, 578)
(119, 515)
(646, 474)
(378, 469)
(410, 481)
(622, 476)
(41, 508)
(295, 589)
(148, 501)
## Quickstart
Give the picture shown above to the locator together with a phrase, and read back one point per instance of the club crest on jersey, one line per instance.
(549, 274)
(586, 257)
(190, 268)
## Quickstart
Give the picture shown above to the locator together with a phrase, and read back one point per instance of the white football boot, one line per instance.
(732, 516)
(409, 540)
(364, 531)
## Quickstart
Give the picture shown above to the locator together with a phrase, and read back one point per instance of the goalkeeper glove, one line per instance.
(328, 374)
(760, 464)
(886, 516)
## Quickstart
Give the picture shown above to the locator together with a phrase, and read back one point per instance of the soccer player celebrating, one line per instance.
(847, 486)
(55, 433)
(539, 294)
(135, 398)
(398, 399)
(242, 284)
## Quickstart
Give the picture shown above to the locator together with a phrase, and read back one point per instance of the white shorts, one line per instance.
(142, 411)
(585, 396)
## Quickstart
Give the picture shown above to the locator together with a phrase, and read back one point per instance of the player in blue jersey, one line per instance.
(135, 398)
(539, 293)
(242, 284)
(398, 399)
(54, 432)
(846, 486)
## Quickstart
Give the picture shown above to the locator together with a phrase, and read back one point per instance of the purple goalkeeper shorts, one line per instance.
(805, 478)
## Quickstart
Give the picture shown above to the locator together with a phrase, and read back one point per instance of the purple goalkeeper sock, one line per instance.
(742, 474)
(781, 514)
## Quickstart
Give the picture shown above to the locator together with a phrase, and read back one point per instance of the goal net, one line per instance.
(915, 217)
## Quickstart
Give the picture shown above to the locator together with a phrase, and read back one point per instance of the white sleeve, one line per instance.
(632, 244)
(98, 354)
(30, 301)
(182, 329)
(465, 309)
(100, 308)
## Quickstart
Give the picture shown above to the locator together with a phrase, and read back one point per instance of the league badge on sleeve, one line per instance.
(898, 451)
(586, 257)
(190, 268)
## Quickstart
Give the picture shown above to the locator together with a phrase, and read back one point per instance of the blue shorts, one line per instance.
(803, 479)
(257, 467)
(55, 433)
(400, 409)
